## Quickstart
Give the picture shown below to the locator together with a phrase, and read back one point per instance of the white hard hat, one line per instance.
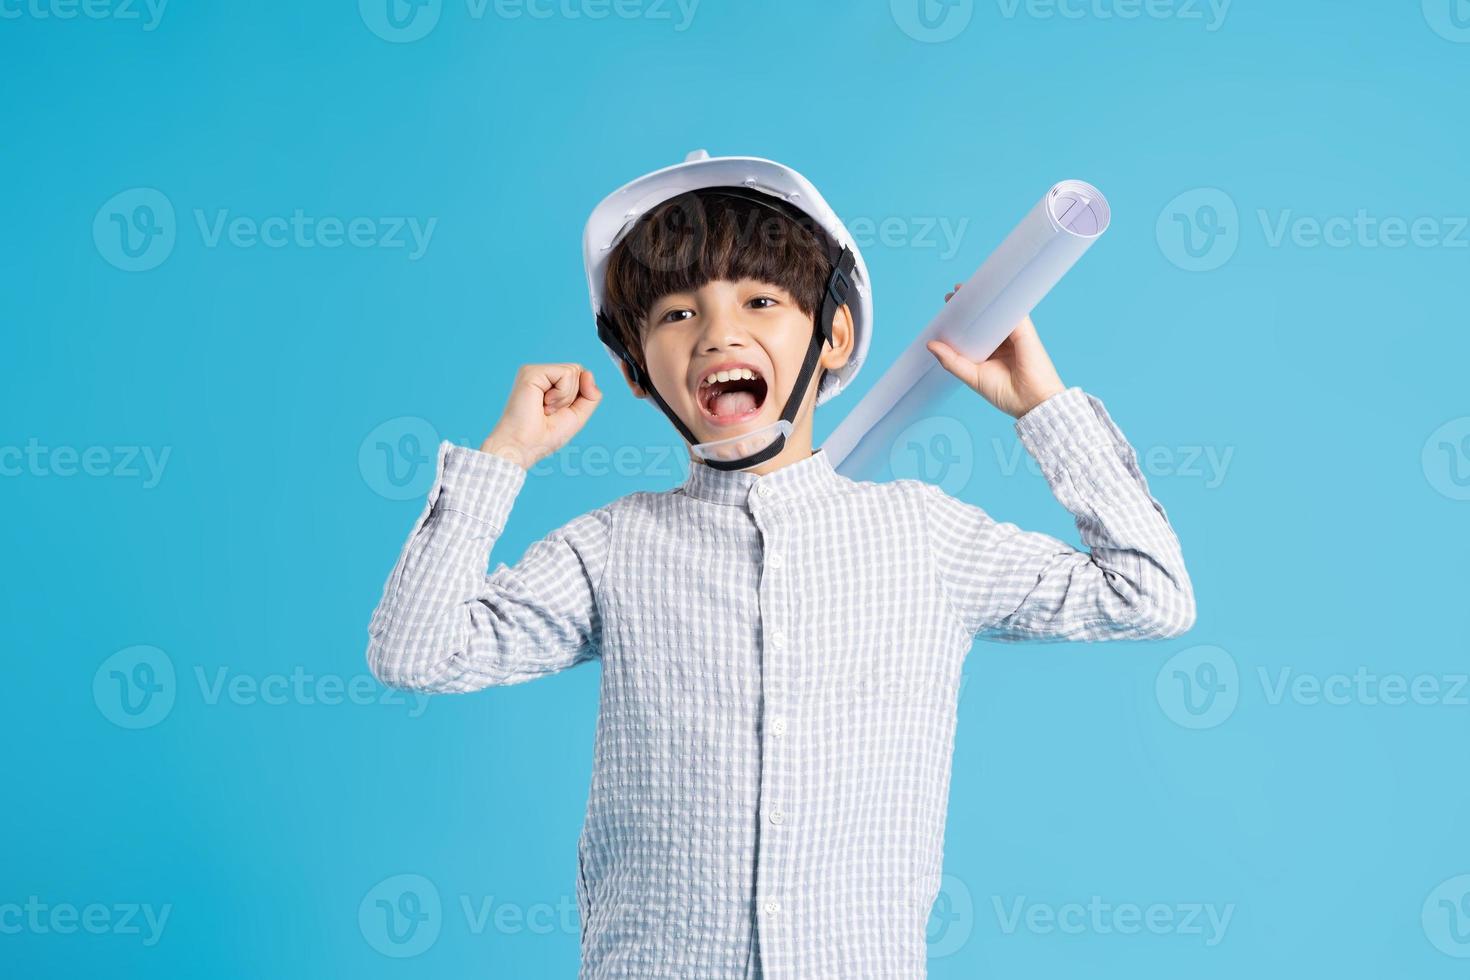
(620, 211)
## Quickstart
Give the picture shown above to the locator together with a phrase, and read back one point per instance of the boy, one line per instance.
(781, 646)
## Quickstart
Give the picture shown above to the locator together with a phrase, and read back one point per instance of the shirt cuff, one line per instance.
(1069, 422)
(479, 484)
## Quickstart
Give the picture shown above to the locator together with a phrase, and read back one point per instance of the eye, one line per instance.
(765, 299)
(670, 316)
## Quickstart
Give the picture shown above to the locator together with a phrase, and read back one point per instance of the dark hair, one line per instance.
(703, 235)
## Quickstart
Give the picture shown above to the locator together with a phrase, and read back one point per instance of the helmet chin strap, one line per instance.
(839, 282)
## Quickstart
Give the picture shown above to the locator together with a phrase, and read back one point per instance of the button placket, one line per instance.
(777, 668)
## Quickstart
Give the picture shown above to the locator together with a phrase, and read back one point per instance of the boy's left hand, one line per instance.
(1015, 379)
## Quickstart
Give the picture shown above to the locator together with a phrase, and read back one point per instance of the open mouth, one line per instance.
(728, 397)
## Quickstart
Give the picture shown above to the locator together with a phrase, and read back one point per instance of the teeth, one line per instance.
(734, 375)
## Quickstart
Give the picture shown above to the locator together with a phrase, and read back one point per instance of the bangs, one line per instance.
(702, 236)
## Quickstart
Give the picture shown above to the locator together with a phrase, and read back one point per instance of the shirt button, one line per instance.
(764, 490)
(778, 816)
(773, 907)
(778, 727)
(775, 560)
(779, 638)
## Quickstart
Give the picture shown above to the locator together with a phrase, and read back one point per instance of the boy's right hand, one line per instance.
(548, 404)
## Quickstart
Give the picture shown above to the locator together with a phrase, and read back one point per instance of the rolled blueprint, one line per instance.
(1003, 291)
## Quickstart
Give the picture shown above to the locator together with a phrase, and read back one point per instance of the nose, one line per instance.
(721, 329)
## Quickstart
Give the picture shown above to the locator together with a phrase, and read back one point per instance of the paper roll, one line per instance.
(1002, 292)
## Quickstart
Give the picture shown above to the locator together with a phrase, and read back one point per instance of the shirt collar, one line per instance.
(812, 476)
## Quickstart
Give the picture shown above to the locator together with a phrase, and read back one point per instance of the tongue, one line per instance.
(733, 403)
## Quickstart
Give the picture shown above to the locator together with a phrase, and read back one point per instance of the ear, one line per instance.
(633, 386)
(840, 349)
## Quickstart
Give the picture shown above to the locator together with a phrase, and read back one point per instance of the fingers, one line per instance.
(954, 362)
(589, 396)
(563, 381)
(1024, 337)
(950, 295)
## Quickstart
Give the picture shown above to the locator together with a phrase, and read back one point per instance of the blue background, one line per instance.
(1332, 543)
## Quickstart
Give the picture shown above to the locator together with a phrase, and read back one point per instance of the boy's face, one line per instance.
(689, 336)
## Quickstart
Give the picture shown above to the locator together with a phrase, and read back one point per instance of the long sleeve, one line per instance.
(1008, 584)
(443, 624)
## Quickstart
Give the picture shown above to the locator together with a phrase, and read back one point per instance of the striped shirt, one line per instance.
(781, 660)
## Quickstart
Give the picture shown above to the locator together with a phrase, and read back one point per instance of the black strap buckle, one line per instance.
(837, 286)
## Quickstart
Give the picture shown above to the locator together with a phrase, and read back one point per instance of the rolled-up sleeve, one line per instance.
(1008, 584)
(443, 624)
